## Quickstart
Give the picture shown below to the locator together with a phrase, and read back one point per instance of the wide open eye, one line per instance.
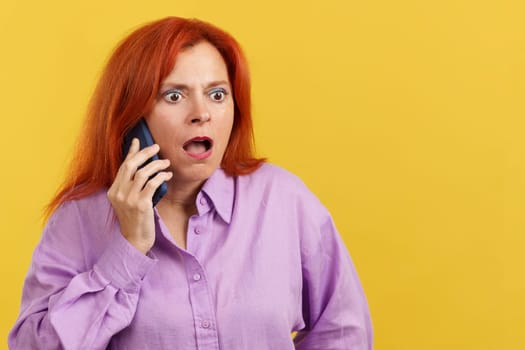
(218, 95)
(172, 96)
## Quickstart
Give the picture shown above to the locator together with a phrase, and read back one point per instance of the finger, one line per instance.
(133, 148)
(117, 181)
(155, 182)
(143, 174)
(130, 166)
(126, 171)
(137, 159)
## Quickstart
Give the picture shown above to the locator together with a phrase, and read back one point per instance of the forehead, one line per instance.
(198, 63)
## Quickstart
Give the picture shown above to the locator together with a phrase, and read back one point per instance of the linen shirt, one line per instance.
(263, 260)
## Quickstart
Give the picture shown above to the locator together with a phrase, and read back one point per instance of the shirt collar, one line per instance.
(220, 189)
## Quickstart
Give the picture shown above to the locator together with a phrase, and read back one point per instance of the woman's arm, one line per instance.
(334, 305)
(68, 304)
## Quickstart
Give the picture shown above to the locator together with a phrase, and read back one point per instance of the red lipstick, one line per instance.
(199, 147)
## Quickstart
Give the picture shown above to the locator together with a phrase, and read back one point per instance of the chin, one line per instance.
(196, 173)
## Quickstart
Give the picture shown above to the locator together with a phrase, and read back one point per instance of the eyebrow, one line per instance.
(186, 87)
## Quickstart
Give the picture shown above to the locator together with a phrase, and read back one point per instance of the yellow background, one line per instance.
(404, 117)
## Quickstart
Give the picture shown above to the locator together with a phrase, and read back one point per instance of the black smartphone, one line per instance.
(141, 132)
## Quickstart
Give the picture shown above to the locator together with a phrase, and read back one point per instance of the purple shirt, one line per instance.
(263, 259)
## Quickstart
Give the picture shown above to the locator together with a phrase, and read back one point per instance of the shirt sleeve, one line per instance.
(68, 305)
(335, 309)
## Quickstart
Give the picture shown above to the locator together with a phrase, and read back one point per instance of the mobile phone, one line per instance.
(141, 132)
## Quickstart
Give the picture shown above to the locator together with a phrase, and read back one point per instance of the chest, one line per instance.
(233, 280)
(176, 224)
(177, 231)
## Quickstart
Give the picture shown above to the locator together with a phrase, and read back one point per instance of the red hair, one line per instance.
(126, 92)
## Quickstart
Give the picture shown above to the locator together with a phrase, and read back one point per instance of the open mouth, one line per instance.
(198, 145)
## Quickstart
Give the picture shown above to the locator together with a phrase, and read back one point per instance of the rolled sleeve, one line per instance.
(123, 265)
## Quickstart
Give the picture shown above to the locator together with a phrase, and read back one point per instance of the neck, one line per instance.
(181, 197)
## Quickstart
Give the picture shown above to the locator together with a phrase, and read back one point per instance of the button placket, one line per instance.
(195, 229)
(200, 301)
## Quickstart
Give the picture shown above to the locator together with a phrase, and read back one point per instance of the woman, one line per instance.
(237, 255)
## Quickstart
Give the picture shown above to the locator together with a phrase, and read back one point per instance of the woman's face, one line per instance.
(192, 117)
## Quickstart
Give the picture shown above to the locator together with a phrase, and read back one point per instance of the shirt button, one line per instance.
(197, 277)
(205, 324)
(202, 201)
(197, 230)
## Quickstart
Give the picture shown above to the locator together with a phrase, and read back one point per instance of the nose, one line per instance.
(199, 112)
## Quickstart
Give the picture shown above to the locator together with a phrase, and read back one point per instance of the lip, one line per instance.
(199, 156)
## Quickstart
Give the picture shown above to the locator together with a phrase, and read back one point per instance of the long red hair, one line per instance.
(126, 92)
